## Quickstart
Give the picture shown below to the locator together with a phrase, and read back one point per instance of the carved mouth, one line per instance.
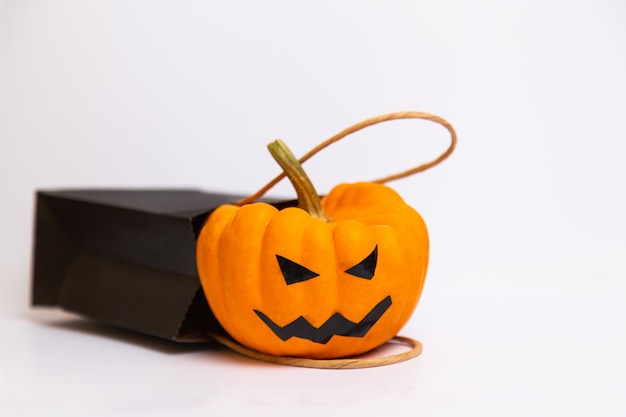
(337, 324)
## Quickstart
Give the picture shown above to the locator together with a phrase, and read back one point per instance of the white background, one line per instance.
(524, 311)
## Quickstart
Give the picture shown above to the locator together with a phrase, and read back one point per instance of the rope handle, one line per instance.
(352, 363)
(361, 125)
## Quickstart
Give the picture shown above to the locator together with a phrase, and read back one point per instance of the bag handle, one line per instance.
(415, 348)
(361, 125)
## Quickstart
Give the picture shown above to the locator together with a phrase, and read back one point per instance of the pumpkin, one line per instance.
(331, 281)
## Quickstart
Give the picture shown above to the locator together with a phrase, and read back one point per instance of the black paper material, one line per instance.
(125, 257)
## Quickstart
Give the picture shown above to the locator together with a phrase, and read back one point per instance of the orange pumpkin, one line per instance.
(285, 283)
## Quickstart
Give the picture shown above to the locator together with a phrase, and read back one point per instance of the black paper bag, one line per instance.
(125, 257)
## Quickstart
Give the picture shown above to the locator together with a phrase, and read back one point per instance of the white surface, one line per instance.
(523, 313)
(540, 350)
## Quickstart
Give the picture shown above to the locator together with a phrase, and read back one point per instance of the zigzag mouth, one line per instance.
(337, 324)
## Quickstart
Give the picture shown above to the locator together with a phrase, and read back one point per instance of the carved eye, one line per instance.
(293, 272)
(365, 268)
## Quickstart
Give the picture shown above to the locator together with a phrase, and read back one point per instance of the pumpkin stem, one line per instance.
(308, 199)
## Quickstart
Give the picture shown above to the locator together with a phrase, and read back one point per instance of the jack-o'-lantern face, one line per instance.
(336, 324)
(287, 284)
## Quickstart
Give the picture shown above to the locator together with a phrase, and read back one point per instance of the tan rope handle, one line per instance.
(361, 125)
(353, 363)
